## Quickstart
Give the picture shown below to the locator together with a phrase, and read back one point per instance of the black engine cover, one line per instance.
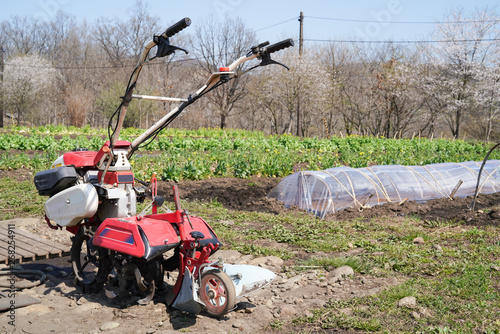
(50, 182)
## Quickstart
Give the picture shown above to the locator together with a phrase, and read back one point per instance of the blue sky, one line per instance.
(259, 15)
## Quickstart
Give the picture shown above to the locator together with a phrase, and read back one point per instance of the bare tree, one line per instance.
(121, 39)
(279, 89)
(218, 44)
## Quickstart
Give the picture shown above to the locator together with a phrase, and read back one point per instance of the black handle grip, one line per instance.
(279, 46)
(171, 31)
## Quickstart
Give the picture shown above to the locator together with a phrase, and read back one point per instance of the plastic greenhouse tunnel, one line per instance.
(334, 189)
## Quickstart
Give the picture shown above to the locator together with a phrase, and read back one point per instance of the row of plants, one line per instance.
(87, 130)
(181, 157)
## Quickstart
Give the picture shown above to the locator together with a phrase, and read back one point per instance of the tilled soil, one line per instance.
(65, 309)
(235, 194)
(250, 195)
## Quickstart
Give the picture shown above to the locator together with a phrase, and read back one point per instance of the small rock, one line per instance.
(496, 268)
(238, 324)
(109, 325)
(288, 310)
(419, 241)
(63, 274)
(291, 282)
(263, 314)
(408, 302)
(227, 222)
(308, 314)
(258, 261)
(438, 248)
(49, 269)
(227, 255)
(350, 245)
(274, 261)
(425, 312)
(333, 280)
(81, 300)
(415, 315)
(341, 272)
(63, 288)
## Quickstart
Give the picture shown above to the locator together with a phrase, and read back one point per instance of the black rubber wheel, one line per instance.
(90, 263)
(217, 293)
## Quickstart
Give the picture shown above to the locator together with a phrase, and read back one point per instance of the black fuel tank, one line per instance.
(50, 182)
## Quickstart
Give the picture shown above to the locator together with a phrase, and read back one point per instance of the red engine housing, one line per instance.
(150, 236)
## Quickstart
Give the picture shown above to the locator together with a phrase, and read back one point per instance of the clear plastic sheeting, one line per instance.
(334, 189)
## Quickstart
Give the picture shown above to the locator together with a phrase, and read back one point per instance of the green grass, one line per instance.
(19, 199)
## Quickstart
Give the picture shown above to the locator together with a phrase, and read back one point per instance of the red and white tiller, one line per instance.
(94, 196)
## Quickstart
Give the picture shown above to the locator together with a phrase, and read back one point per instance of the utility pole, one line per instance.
(1, 86)
(301, 33)
(301, 47)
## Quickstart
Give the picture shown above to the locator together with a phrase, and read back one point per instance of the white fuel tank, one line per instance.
(70, 206)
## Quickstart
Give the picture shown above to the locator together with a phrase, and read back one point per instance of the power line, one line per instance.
(403, 42)
(403, 22)
(277, 24)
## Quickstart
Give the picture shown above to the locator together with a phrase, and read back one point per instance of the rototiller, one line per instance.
(94, 196)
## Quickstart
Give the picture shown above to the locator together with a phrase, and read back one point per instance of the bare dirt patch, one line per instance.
(17, 174)
(235, 194)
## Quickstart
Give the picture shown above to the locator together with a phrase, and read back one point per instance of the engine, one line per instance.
(82, 184)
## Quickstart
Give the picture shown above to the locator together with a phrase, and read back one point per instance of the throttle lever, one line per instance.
(266, 60)
(164, 47)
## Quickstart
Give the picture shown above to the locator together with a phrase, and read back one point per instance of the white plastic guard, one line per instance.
(70, 206)
(247, 278)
